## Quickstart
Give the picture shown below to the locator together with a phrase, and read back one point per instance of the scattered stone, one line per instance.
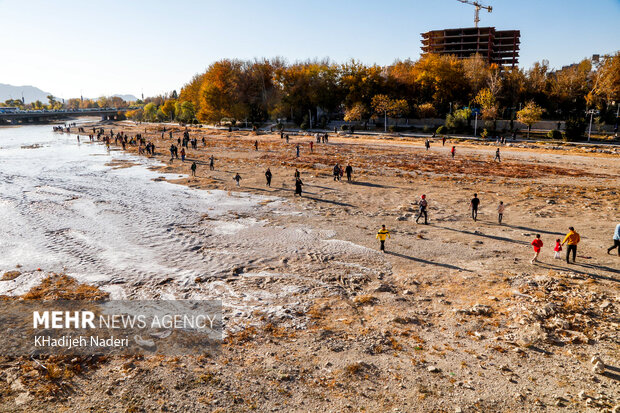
(385, 288)
(596, 359)
(432, 369)
(23, 398)
(599, 368)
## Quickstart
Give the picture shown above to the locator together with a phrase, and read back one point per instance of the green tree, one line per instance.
(186, 111)
(150, 112)
(458, 119)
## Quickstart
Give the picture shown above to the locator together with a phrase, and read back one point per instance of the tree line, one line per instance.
(433, 86)
(75, 103)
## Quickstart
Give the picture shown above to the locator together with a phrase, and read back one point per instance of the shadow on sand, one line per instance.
(423, 261)
(574, 268)
(480, 234)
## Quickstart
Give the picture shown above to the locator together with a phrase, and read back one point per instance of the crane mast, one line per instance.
(478, 6)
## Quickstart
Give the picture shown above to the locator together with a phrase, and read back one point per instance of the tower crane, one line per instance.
(478, 6)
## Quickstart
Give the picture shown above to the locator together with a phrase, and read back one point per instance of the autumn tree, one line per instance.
(169, 109)
(512, 89)
(73, 104)
(382, 104)
(440, 79)
(15, 103)
(476, 71)
(136, 114)
(568, 89)
(486, 100)
(529, 115)
(355, 113)
(360, 83)
(605, 85)
(426, 110)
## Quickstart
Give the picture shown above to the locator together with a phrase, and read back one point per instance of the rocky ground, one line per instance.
(452, 318)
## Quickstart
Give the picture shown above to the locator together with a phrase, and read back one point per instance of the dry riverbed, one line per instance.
(452, 318)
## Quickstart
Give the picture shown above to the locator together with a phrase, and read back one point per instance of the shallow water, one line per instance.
(63, 208)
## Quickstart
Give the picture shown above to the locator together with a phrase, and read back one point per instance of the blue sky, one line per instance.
(66, 47)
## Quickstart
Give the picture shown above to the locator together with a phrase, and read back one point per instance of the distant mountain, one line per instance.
(30, 93)
(127, 98)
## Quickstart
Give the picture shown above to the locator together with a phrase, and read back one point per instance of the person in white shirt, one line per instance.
(500, 211)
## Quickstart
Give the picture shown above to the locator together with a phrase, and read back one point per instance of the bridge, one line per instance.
(32, 116)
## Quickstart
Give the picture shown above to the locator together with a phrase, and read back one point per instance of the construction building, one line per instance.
(496, 46)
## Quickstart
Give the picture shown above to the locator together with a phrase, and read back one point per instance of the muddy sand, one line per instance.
(453, 317)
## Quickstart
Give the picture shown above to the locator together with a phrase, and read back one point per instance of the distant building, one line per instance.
(496, 46)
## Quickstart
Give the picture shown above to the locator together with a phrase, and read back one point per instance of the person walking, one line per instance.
(616, 241)
(557, 249)
(337, 172)
(268, 177)
(500, 212)
(443, 141)
(497, 157)
(297, 174)
(182, 154)
(256, 145)
(193, 168)
(427, 144)
(211, 163)
(537, 244)
(237, 178)
(572, 239)
(474, 204)
(422, 204)
(298, 185)
(453, 151)
(382, 235)
(311, 146)
(348, 170)
(297, 148)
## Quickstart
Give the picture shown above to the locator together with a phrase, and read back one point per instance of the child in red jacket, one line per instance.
(557, 249)
(537, 244)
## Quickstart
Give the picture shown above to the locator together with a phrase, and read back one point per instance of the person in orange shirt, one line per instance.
(537, 244)
(572, 239)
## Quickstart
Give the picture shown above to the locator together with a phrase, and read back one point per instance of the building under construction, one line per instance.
(496, 46)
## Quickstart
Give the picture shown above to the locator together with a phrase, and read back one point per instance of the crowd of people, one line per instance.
(571, 240)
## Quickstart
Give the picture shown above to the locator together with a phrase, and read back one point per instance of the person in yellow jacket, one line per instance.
(572, 239)
(382, 235)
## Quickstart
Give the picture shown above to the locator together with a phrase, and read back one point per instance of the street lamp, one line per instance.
(617, 115)
(591, 112)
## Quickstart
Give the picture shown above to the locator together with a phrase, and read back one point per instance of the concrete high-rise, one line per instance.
(500, 47)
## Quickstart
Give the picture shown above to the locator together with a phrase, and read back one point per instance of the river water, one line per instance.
(63, 208)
